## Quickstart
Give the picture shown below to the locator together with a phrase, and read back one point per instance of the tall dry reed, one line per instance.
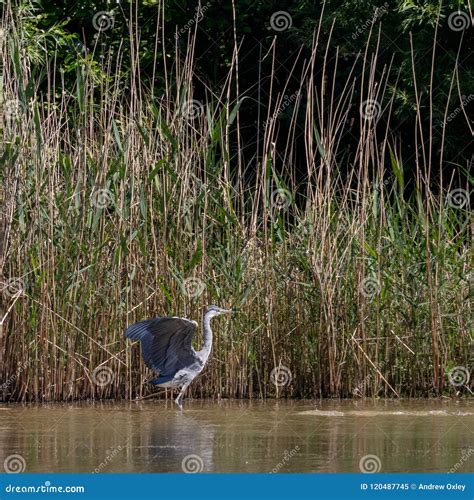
(118, 205)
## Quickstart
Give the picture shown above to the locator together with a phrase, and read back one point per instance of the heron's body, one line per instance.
(166, 345)
(182, 377)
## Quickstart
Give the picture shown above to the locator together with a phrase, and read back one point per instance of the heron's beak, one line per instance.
(227, 311)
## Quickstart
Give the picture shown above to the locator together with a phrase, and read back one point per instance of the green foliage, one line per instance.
(334, 240)
(65, 31)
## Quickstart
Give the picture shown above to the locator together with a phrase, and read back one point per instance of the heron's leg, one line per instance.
(179, 399)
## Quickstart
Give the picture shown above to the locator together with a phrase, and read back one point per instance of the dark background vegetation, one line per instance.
(346, 29)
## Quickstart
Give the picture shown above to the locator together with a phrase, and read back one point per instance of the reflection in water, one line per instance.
(240, 436)
(162, 444)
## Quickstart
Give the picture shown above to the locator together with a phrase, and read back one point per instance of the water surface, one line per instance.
(240, 436)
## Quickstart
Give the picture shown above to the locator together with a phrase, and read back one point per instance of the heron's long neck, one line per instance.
(206, 348)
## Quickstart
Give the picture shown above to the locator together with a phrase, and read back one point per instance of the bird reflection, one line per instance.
(174, 442)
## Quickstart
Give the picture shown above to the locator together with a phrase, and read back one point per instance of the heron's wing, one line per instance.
(166, 343)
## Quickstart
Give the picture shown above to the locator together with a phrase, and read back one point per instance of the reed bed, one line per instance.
(119, 204)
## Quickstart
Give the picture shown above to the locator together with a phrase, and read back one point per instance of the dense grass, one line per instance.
(115, 200)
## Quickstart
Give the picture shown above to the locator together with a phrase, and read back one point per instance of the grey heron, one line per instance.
(166, 344)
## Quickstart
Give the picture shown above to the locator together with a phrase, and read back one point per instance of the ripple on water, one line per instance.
(377, 413)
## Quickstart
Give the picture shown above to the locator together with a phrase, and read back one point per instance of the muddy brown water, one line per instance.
(239, 436)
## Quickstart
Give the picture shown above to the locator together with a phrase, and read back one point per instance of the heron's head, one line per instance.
(213, 310)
